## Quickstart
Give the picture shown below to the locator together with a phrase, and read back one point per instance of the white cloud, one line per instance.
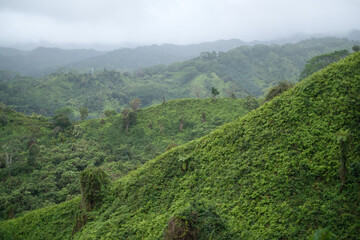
(175, 21)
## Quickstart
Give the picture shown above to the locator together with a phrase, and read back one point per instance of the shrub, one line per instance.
(95, 185)
(62, 121)
(323, 234)
(251, 103)
(278, 89)
(196, 222)
(3, 119)
(109, 113)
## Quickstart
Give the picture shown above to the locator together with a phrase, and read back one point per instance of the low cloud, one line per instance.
(164, 21)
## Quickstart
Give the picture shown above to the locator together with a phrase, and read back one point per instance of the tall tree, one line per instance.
(135, 104)
(319, 62)
(84, 112)
(214, 92)
(356, 48)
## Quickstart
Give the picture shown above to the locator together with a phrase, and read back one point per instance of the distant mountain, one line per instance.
(242, 71)
(354, 35)
(41, 61)
(45, 60)
(146, 56)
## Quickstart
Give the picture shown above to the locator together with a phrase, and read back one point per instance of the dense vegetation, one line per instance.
(240, 72)
(41, 159)
(280, 172)
(319, 62)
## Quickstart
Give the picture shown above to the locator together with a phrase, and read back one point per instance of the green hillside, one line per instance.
(47, 155)
(319, 62)
(241, 71)
(280, 172)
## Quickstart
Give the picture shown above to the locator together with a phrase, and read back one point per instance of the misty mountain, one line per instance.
(146, 56)
(242, 71)
(41, 61)
(354, 35)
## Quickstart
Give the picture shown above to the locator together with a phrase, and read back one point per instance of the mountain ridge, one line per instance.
(239, 72)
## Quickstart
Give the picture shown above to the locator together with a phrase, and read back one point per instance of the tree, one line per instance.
(135, 104)
(66, 111)
(8, 154)
(356, 48)
(278, 89)
(214, 92)
(319, 62)
(181, 124)
(95, 185)
(198, 221)
(109, 113)
(203, 117)
(84, 112)
(61, 121)
(128, 118)
(232, 95)
(251, 103)
(197, 91)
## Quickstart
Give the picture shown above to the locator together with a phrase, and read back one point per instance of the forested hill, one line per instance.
(239, 72)
(41, 158)
(129, 59)
(42, 61)
(280, 172)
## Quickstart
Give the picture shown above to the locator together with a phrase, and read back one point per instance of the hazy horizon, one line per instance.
(112, 24)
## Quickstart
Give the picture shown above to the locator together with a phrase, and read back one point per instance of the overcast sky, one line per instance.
(170, 21)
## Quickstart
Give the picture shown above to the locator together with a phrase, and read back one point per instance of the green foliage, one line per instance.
(319, 62)
(278, 89)
(214, 92)
(109, 113)
(196, 222)
(35, 225)
(251, 103)
(45, 162)
(272, 174)
(128, 119)
(232, 95)
(356, 48)
(95, 185)
(342, 138)
(62, 121)
(65, 111)
(323, 234)
(84, 112)
(135, 104)
(3, 119)
(243, 71)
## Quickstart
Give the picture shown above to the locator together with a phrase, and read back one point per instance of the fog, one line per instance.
(142, 22)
